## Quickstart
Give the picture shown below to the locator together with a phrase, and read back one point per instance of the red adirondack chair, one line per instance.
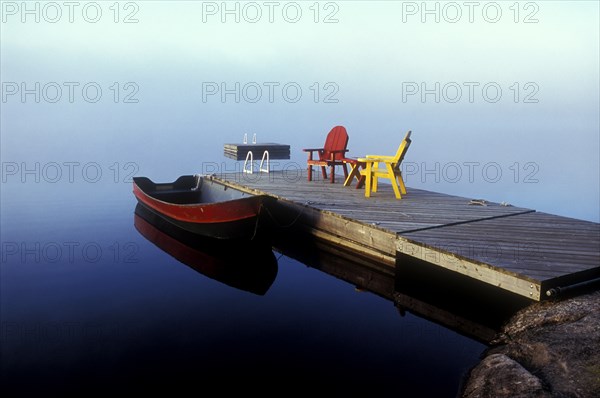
(332, 154)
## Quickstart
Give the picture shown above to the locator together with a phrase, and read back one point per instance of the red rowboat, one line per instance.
(202, 206)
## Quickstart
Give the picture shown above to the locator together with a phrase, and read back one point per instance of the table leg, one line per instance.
(354, 172)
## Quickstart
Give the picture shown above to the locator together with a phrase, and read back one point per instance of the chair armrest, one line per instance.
(379, 157)
(371, 160)
(339, 151)
(376, 160)
(334, 152)
(311, 151)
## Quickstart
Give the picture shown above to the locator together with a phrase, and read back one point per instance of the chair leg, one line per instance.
(345, 170)
(332, 172)
(401, 184)
(375, 179)
(392, 178)
(396, 191)
(309, 173)
(324, 172)
(368, 181)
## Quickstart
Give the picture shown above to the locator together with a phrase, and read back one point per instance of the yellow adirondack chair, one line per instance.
(380, 166)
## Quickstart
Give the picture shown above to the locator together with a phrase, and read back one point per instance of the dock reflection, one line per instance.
(250, 266)
(472, 309)
(459, 303)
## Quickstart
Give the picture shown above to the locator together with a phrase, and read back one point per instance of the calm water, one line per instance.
(159, 86)
(88, 302)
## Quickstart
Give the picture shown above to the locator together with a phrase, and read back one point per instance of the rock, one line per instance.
(551, 313)
(551, 348)
(499, 376)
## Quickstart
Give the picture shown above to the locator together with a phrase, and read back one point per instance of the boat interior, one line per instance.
(189, 190)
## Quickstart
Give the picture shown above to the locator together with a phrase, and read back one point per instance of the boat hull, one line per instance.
(202, 206)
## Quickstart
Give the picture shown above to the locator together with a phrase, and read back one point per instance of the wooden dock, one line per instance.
(515, 249)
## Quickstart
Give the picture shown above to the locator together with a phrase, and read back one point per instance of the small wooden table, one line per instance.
(355, 165)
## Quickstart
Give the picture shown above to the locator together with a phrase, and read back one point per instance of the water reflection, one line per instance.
(469, 307)
(248, 266)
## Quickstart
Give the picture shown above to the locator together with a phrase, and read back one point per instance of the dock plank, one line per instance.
(419, 209)
(515, 248)
(543, 246)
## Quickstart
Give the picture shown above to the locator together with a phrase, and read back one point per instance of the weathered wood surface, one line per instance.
(417, 210)
(535, 246)
(514, 248)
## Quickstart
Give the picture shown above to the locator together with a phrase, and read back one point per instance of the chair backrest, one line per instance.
(402, 149)
(337, 140)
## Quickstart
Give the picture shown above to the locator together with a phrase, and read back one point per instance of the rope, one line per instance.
(256, 223)
(288, 225)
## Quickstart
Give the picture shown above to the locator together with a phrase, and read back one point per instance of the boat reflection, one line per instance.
(248, 266)
(473, 310)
